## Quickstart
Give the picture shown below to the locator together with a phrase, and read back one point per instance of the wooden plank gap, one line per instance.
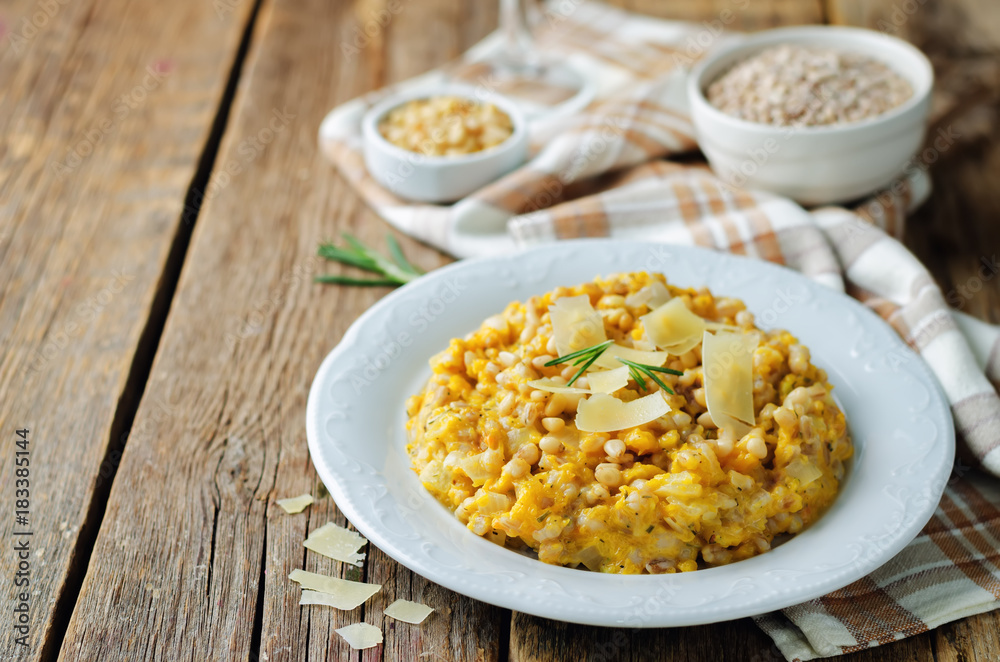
(142, 361)
(258, 615)
(503, 636)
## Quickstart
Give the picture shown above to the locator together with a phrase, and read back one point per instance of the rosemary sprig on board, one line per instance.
(393, 272)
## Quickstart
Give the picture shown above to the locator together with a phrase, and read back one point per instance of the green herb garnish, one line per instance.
(542, 518)
(638, 370)
(585, 356)
(397, 271)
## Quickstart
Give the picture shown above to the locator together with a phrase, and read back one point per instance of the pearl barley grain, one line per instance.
(791, 85)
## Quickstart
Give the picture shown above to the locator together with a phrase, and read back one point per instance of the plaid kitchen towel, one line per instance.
(603, 172)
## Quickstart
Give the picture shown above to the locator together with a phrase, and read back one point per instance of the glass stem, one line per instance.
(518, 45)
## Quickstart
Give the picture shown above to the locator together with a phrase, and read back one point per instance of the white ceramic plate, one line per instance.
(900, 423)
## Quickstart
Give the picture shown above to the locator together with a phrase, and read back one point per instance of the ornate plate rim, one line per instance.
(445, 552)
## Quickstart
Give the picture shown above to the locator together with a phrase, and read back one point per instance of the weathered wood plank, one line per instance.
(745, 15)
(952, 26)
(106, 110)
(192, 547)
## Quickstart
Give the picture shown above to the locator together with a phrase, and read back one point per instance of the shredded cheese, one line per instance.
(361, 635)
(605, 413)
(337, 543)
(408, 612)
(673, 327)
(575, 324)
(343, 593)
(727, 365)
(297, 504)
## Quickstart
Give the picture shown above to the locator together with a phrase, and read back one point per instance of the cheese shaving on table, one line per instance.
(575, 324)
(361, 635)
(607, 381)
(337, 543)
(408, 612)
(293, 505)
(605, 413)
(727, 361)
(673, 327)
(344, 594)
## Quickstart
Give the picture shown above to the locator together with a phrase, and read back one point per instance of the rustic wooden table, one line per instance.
(161, 197)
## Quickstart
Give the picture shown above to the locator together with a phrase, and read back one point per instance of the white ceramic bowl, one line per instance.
(441, 178)
(821, 164)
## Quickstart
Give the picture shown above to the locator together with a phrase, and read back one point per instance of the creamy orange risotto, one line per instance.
(629, 426)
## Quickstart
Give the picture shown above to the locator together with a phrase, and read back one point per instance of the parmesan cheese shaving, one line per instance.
(337, 543)
(360, 636)
(297, 504)
(552, 386)
(609, 358)
(806, 472)
(408, 612)
(604, 413)
(608, 381)
(343, 594)
(575, 324)
(720, 326)
(727, 364)
(653, 295)
(674, 328)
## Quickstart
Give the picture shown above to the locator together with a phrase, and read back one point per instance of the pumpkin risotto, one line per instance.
(629, 426)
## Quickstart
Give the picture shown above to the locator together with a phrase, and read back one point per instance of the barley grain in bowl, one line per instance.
(629, 426)
(792, 85)
(819, 114)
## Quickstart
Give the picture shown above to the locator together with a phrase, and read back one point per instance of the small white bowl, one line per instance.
(818, 164)
(425, 178)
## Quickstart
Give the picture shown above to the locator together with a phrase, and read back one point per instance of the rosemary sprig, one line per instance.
(583, 356)
(639, 370)
(397, 271)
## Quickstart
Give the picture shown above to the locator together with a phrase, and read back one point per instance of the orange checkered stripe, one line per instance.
(952, 567)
